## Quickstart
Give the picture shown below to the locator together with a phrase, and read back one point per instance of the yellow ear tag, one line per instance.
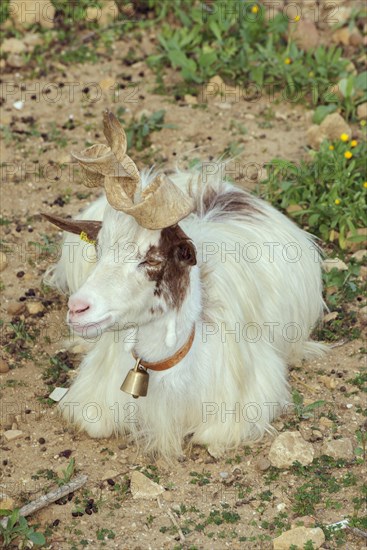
(84, 237)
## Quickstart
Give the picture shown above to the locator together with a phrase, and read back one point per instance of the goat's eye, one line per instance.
(151, 262)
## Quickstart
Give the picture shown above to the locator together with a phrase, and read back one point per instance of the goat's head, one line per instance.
(144, 257)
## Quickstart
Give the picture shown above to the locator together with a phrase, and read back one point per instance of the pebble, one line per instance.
(362, 110)
(299, 537)
(10, 435)
(332, 263)
(4, 367)
(338, 448)
(15, 308)
(289, 447)
(262, 464)
(223, 475)
(34, 308)
(144, 488)
(359, 255)
(13, 45)
(38, 11)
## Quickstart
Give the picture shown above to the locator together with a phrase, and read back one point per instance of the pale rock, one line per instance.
(341, 36)
(18, 105)
(214, 87)
(107, 84)
(289, 447)
(249, 116)
(25, 13)
(306, 35)
(15, 61)
(355, 38)
(79, 348)
(363, 272)
(110, 474)
(262, 464)
(223, 105)
(314, 137)
(334, 263)
(3, 261)
(299, 537)
(34, 307)
(330, 316)
(15, 308)
(294, 208)
(190, 99)
(328, 382)
(333, 126)
(338, 448)
(10, 435)
(359, 255)
(326, 422)
(362, 110)
(13, 45)
(143, 487)
(363, 313)
(6, 502)
(32, 39)
(4, 367)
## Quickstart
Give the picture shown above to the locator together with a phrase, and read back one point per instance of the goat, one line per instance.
(184, 258)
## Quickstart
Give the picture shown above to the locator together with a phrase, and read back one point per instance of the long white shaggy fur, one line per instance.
(231, 385)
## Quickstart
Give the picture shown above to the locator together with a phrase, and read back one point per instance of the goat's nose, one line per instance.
(77, 306)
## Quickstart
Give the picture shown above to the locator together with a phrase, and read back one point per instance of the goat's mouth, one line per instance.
(91, 329)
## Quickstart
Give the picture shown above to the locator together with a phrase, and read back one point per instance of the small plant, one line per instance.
(304, 412)
(329, 191)
(138, 131)
(17, 529)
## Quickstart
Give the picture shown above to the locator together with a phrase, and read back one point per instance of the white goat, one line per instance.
(236, 270)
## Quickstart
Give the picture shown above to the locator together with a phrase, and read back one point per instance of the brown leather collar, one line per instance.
(171, 361)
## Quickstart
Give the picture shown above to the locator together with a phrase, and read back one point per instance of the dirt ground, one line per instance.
(37, 175)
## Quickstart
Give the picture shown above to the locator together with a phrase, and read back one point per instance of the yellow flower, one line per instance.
(354, 143)
(297, 18)
(348, 155)
(365, 185)
(344, 137)
(255, 8)
(84, 237)
(331, 147)
(337, 201)
(363, 123)
(311, 74)
(287, 61)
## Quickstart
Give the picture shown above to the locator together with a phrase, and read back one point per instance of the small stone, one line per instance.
(6, 503)
(289, 447)
(3, 261)
(18, 105)
(294, 208)
(326, 422)
(34, 307)
(223, 475)
(299, 537)
(214, 87)
(190, 99)
(107, 83)
(15, 308)
(224, 106)
(328, 382)
(338, 448)
(31, 12)
(362, 110)
(330, 316)
(262, 464)
(355, 38)
(359, 255)
(314, 137)
(333, 126)
(104, 15)
(110, 474)
(143, 487)
(306, 35)
(13, 45)
(32, 39)
(334, 263)
(341, 36)
(10, 435)
(4, 367)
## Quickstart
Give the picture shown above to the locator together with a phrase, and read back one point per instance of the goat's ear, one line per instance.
(89, 227)
(186, 252)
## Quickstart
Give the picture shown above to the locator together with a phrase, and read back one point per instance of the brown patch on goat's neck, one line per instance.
(228, 202)
(171, 275)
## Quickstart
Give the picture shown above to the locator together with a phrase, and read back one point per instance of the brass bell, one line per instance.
(136, 381)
